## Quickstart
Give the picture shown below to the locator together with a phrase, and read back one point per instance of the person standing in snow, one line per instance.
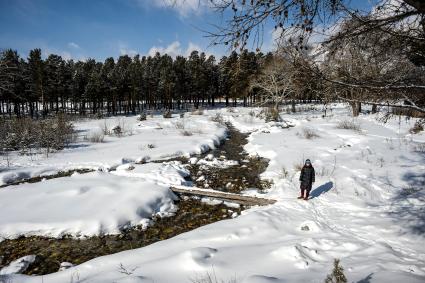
(307, 178)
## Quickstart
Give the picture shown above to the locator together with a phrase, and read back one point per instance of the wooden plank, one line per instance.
(241, 199)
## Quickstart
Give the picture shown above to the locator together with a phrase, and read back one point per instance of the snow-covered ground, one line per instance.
(367, 205)
(153, 139)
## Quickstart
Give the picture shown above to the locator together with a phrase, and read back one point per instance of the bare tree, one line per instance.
(249, 18)
(275, 82)
(373, 68)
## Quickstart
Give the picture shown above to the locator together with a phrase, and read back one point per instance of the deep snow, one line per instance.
(367, 209)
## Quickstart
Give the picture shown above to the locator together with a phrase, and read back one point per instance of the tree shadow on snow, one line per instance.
(321, 189)
(366, 279)
(406, 205)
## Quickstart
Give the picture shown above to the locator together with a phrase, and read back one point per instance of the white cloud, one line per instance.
(174, 49)
(125, 50)
(73, 45)
(183, 7)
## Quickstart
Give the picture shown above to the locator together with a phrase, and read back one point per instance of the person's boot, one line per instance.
(302, 195)
(307, 194)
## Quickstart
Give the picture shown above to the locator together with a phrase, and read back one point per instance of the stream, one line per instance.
(192, 212)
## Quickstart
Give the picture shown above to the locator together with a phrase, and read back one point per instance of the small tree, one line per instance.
(275, 82)
(337, 275)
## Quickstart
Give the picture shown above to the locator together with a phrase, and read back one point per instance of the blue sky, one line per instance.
(81, 29)
(99, 29)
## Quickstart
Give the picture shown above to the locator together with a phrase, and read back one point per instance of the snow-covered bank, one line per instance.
(366, 209)
(153, 139)
(91, 204)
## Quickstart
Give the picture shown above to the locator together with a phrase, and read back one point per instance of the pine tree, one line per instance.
(337, 275)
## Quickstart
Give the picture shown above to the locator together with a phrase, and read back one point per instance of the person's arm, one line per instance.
(313, 176)
(301, 174)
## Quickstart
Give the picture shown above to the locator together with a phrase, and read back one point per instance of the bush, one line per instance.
(271, 114)
(96, 137)
(167, 114)
(309, 133)
(337, 275)
(418, 127)
(348, 125)
(98, 115)
(186, 133)
(117, 130)
(199, 111)
(179, 125)
(141, 117)
(27, 134)
(218, 118)
(211, 278)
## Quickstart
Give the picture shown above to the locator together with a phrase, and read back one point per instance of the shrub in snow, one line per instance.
(167, 114)
(270, 114)
(186, 133)
(284, 173)
(179, 125)
(337, 275)
(418, 127)
(348, 125)
(420, 148)
(218, 118)
(98, 115)
(150, 145)
(210, 278)
(117, 130)
(182, 115)
(198, 111)
(26, 134)
(309, 133)
(141, 117)
(96, 137)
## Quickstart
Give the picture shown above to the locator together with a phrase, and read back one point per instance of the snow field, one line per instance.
(365, 210)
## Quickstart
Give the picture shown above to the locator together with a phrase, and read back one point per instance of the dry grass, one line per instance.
(167, 114)
(211, 278)
(218, 118)
(186, 133)
(418, 127)
(298, 166)
(96, 137)
(349, 125)
(309, 133)
(198, 111)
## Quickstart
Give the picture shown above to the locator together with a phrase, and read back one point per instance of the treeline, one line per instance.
(37, 87)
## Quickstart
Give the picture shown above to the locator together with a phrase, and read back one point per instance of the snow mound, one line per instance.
(90, 204)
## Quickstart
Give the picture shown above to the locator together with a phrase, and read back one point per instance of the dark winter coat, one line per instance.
(307, 177)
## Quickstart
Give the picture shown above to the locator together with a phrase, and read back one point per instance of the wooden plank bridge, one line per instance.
(241, 199)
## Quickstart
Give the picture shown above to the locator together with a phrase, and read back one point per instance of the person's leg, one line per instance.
(302, 193)
(307, 194)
